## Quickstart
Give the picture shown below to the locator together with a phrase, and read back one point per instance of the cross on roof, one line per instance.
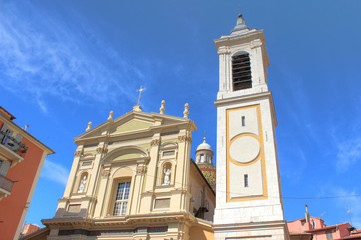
(140, 90)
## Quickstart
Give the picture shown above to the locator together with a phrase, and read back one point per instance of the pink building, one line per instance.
(315, 228)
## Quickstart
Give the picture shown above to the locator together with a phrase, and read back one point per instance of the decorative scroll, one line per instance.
(103, 150)
(78, 153)
(141, 170)
(185, 138)
(105, 173)
(154, 142)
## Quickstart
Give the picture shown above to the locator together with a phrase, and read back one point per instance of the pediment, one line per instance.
(131, 125)
(132, 122)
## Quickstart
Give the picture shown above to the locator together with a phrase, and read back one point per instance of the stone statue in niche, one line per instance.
(82, 185)
(166, 180)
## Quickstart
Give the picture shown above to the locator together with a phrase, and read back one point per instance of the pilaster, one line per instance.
(73, 171)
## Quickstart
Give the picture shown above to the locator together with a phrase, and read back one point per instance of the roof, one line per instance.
(329, 227)
(11, 117)
(37, 234)
(199, 171)
(304, 219)
(204, 146)
(353, 236)
(25, 133)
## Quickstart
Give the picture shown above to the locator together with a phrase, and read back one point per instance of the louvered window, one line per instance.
(241, 72)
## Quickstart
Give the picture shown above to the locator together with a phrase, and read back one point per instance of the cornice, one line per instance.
(231, 40)
(26, 134)
(258, 225)
(128, 220)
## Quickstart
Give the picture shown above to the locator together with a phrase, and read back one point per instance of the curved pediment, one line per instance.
(168, 145)
(126, 153)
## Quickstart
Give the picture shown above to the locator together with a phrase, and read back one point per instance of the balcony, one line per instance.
(12, 147)
(5, 186)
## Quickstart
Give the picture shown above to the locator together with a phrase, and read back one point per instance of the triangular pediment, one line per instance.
(131, 125)
(132, 122)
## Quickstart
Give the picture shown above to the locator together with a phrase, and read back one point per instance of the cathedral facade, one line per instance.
(133, 178)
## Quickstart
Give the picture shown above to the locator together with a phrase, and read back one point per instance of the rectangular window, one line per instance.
(241, 72)
(121, 199)
(245, 180)
(329, 235)
(168, 153)
(243, 121)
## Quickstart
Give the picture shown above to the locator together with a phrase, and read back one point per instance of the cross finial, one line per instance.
(140, 90)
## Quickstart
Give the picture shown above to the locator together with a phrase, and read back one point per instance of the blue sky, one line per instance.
(65, 63)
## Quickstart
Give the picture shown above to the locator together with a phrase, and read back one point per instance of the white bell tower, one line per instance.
(248, 193)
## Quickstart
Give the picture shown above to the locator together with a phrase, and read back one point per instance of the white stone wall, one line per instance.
(260, 205)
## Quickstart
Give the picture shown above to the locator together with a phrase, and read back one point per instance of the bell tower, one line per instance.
(248, 187)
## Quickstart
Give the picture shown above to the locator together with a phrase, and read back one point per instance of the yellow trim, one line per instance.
(259, 157)
(251, 161)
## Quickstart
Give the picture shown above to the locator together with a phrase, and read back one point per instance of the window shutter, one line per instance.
(7, 141)
(4, 128)
(4, 168)
(241, 72)
(16, 143)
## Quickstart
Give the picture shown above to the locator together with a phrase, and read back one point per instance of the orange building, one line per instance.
(309, 228)
(29, 229)
(21, 158)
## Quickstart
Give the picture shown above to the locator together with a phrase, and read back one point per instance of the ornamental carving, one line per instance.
(185, 138)
(103, 150)
(105, 173)
(141, 170)
(78, 153)
(154, 142)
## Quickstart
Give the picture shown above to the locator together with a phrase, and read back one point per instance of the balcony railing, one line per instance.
(6, 183)
(13, 144)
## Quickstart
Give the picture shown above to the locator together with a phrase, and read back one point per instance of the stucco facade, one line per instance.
(21, 159)
(133, 178)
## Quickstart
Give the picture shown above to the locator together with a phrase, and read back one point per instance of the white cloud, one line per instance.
(42, 55)
(349, 152)
(55, 172)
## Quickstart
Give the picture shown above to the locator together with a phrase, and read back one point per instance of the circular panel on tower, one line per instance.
(244, 149)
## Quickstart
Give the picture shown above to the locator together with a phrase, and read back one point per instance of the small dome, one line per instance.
(204, 146)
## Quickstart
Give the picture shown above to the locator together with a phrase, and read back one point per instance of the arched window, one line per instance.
(241, 71)
(121, 190)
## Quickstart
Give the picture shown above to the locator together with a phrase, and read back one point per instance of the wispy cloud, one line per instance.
(55, 172)
(349, 152)
(42, 55)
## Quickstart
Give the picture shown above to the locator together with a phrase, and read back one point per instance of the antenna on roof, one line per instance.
(349, 214)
